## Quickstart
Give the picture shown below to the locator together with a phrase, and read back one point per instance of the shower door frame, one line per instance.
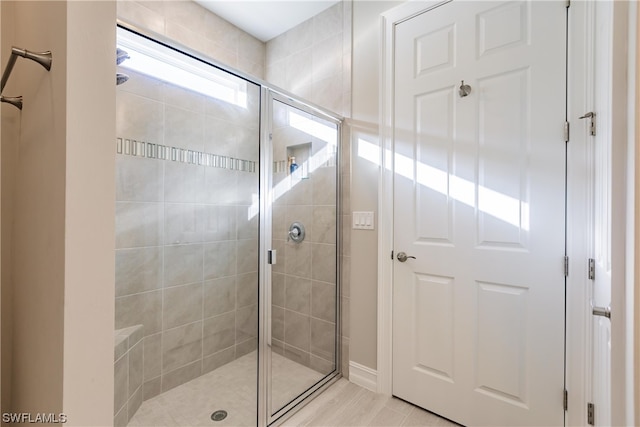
(269, 95)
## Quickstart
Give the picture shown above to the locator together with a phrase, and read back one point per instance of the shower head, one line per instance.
(121, 78)
(121, 56)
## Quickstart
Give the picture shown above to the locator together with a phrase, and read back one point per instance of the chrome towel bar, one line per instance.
(42, 58)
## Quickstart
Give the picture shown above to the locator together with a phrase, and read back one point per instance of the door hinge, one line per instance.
(591, 414)
(592, 269)
(565, 400)
(566, 131)
(566, 266)
(391, 255)
(271, 256)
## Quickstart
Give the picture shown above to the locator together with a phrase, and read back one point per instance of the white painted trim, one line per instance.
(363, 376)
(632, 225)
(579, 211)
(385, 223)
(623, 199)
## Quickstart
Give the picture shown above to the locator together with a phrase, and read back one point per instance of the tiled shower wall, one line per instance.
(182, 340)
(195, 27)
(186, 241)
(313, 60)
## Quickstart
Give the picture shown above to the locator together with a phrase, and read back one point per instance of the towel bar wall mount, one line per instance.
(43, 58)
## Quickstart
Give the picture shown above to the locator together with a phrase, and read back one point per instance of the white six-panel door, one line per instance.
(479, 200)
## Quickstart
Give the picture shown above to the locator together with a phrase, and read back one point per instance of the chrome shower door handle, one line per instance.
(402, 257)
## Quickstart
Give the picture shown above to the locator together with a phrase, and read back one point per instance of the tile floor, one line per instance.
(232, 388)
(346, 404)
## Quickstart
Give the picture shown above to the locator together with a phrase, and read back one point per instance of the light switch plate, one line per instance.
(363, 220)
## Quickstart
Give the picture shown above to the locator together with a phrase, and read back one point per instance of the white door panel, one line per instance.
(479, 201)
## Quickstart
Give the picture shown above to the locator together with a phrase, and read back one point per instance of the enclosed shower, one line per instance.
(227, 243)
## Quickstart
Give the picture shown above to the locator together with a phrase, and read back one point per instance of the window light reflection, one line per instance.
(319, 130)
(316, 161)
(490, 202)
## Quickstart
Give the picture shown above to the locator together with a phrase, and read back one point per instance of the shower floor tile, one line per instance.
(232, 388)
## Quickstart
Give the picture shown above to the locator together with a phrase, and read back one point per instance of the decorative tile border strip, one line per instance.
(131, 147)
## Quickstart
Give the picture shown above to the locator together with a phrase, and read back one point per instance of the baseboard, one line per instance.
(363, 376)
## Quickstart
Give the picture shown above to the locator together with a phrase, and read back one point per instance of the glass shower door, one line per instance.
(303, 303)
(187, 234)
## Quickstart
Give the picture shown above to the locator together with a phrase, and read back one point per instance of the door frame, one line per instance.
(580, 97)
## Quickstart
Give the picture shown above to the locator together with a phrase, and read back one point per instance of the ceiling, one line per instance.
(266, 19)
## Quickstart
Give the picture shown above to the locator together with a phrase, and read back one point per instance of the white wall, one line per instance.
(364, 185)
(89, 214)
(61, 198)
(621, 319)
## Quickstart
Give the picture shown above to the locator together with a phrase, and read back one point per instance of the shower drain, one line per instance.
(219, 415)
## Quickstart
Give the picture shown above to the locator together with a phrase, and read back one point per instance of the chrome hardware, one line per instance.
(591, 416)
(602, 311)
(402, 257)
(592, 269)
(592, 118)
(16, 101)
(464, 89)
(296, 232)
(271, 256)
(42, 58)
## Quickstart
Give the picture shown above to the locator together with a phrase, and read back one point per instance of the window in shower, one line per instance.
(142, 55)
